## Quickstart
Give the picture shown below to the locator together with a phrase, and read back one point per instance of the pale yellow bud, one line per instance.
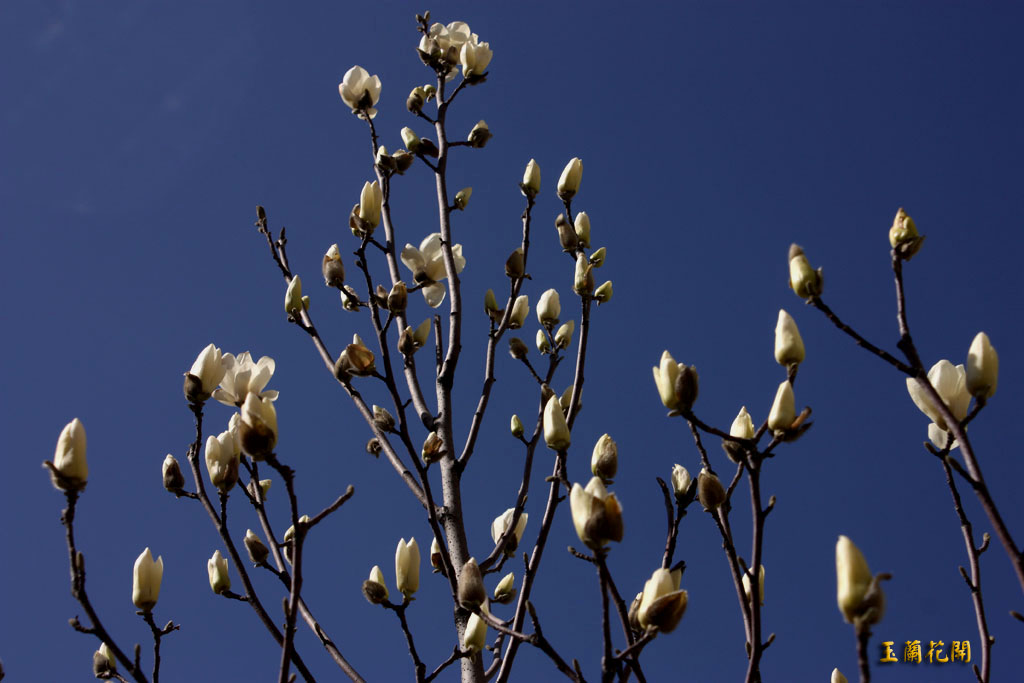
(603, 294)
(783, 412)
(569, 182)
(760, 584)
(556, 431)
(217, 568)
(293, 296)
(462, 198)
(789, 346)
(982, 367)
(531, 179)
(803, 279)
(475, 637)
(146, 577)
(407, 567)
(563, 337)
(516, 427)
(549, 308)
(604, 462)
(520, 309)
(582, 226)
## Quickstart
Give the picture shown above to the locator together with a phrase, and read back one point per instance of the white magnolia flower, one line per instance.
(242, 376)
(427, 266)
(501, 524)
(360, 90)
(475, 57)
(951, 384)
(146, 578)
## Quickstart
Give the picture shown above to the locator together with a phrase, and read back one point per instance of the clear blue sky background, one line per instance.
(137, 137)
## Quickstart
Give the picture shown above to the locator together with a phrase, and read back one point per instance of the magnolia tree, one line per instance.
(418, 433)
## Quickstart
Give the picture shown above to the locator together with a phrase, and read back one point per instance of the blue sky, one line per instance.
(138, 137)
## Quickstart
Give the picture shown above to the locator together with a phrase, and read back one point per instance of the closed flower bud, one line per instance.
(480, 134)
(206, 373)
(563, 337)
(221, 463)
(217, 568)
(556, 431)
(293, 297)
(422, 333)
(803, 279)
(543, 345)
(549, 308)
(258, 427)
(349, 299)
(566, 233)
(582, 228)
(411, 140)
(501, 524)
(982, 368)
(103, 662)
(471, 586)
(397, 297)
(783, 413)
(265, 487)
(565, 398)
(462, 198)
(433, 448)
(789, 346)
(838, 677)
(146, 578)
(373, 447)
(505, 590)
(403, 160)
(583, 280)
(289, 533)
(474, 57)
(603, 294)
(385, 162)
(760, 584)
(406, 345)
(686, 387)
(596, 514)
(604, 462)
(546, 393)
(515, 265)
(333, 269)
(407, 567)
(520, 309)
(416, 99)
(517, 348)
(597, 258)
(384, 420)
(436, 559)
(305, 303)
(490, 302)
(516, 427)
(710, 491)
(475, 637)
(356, 359)
(569, 182)
(681, 480)
(174, 480)
(254, 546)
(858, 593)
(531, 179)
(427, 148)
(662, 603)
(370, 199)
(742, 428)
(634, 613)
(665, 376)
(69, 470)
(374, 588)
(903, 236)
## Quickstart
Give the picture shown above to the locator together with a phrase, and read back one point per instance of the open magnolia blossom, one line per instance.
(427, 266)
(360, 91)
(242, 376)
(951, 384)
(205, 373)
(474, 56)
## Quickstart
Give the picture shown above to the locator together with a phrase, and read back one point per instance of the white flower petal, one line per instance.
(434, 294)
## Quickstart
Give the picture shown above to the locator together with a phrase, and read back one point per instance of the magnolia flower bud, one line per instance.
(104, 663)
(433, 448)
(428, 148)
(710, 491)
(436, 559)
(206, 373)
(742, 428)
(69, 469)
(258, 427)
(254, 546)
(838, 677)
(516, 427)
(858, 593)
(490, 302)
(634, 613)
(549, 308)
(146, 577)
(565, 398)
(384, 421)
(582, 228)
(289, 533)
(221, 463)
(385, 162)
(416, 99)
(543, 344)
(397, 297)
(803, 280)
(520, 309)
(505, 590)
(265, 487)
(403, 160)
(475, 637)
(604, 462)
(474, 57)
(662, 604)
(462, 198)
(374, 588)
(583, 279)
(903, 235)
(783, 413)
(563, 337)
(681, 480)
(603, 294)
(951, 384)
(982, 368)
(569, 182)
(515, 265)
(566, 233)
(370, 199)
(174, 480)
(531, 179)
(789, 346)
(556, 431)
(407, 567)
(517, 348)
(422, 333)
(760, 584)
(411, 140)
(686, 387)
(480, 134)
(356, 359)
(305, 303)
(502, 522)
(665, 376)
(471, 586)
(374, 447)
(217, 568)
(332, 268)
(597, 258)
(293, 297)
(596, 514)
(349, 299)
